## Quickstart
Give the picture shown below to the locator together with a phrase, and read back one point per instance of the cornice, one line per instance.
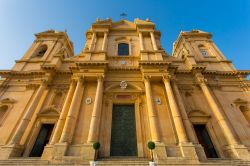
(154, 63)
(92, 63)
(123, 68)
(21, 73)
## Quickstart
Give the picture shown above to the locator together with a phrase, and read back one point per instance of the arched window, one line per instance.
(123, 49)
(203, 50)
(41, 51)
(3, 111)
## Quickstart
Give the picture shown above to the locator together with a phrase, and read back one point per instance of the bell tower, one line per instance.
(197, 48)
(47, 51)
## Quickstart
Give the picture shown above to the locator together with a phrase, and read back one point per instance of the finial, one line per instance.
(98, 19)
(148, 20)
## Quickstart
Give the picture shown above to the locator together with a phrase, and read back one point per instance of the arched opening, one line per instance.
(123, 49)
(41, 51)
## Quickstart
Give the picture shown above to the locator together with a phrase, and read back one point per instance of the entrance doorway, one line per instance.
(205, 140)
(123, 132)
(41, 140)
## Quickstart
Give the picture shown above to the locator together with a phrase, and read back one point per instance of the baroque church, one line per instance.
(123, 90)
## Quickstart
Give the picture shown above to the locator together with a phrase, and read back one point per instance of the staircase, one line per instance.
(124, 161)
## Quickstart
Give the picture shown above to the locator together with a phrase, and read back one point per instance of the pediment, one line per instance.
(122, 38)
(7, 100)
(198, 113)
(142, 22)
(50, 111)
(117, 87)
(240, 101)
(123, 24)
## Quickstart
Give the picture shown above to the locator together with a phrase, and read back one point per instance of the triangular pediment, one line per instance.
(142, 22)
(123, 24)
(50, 111)
(240, 101)
(198, 113)
(122, 86)
(7, 100)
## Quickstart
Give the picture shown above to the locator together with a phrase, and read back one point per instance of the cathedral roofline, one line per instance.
(187, 34)
(109, 24)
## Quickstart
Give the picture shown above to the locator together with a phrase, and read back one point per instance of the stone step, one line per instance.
(124, 161)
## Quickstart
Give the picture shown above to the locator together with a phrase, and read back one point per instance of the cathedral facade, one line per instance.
(124, 90)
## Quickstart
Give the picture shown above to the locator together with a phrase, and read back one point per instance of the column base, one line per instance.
(188, 151)
(87, 152)
(59, 150)
(160, 151)
(9, 151)
(200, 152)
(237, 152)
(48, 152)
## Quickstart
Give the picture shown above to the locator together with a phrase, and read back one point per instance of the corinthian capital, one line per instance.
(168, 77)
(100, 78)
(200, 78)
(146, 77)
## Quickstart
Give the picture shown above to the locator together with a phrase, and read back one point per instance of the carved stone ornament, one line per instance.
(124, 62)
(123, 84)
(158, 101)
(88, 100)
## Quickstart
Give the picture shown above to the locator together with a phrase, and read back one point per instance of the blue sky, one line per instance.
(227, 20)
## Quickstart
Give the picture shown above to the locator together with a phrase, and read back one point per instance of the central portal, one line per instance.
(123, 133)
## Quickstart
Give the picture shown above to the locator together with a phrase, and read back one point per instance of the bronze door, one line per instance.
(123, 133)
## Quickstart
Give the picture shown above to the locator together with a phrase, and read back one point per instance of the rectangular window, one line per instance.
(123, 49)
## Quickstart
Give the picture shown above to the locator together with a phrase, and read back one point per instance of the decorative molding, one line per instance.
(7, 101)
(200, 78)
(88, 100)
(123, 84)
(158, 101)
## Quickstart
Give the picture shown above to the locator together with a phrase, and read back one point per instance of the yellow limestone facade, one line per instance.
(175, 98)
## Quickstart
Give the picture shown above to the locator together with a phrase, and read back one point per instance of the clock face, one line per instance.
(124, 62)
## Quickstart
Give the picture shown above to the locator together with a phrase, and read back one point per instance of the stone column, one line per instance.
(188, 150)
(104, 43)
(153, 41)
(71, 118)
(28, 115)
(180, 130)
(234, 149)
(95, 119)
(61, 120)
(228, 131)
(141, 41)
(92, 45)
(151, 112)
(186, 121)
